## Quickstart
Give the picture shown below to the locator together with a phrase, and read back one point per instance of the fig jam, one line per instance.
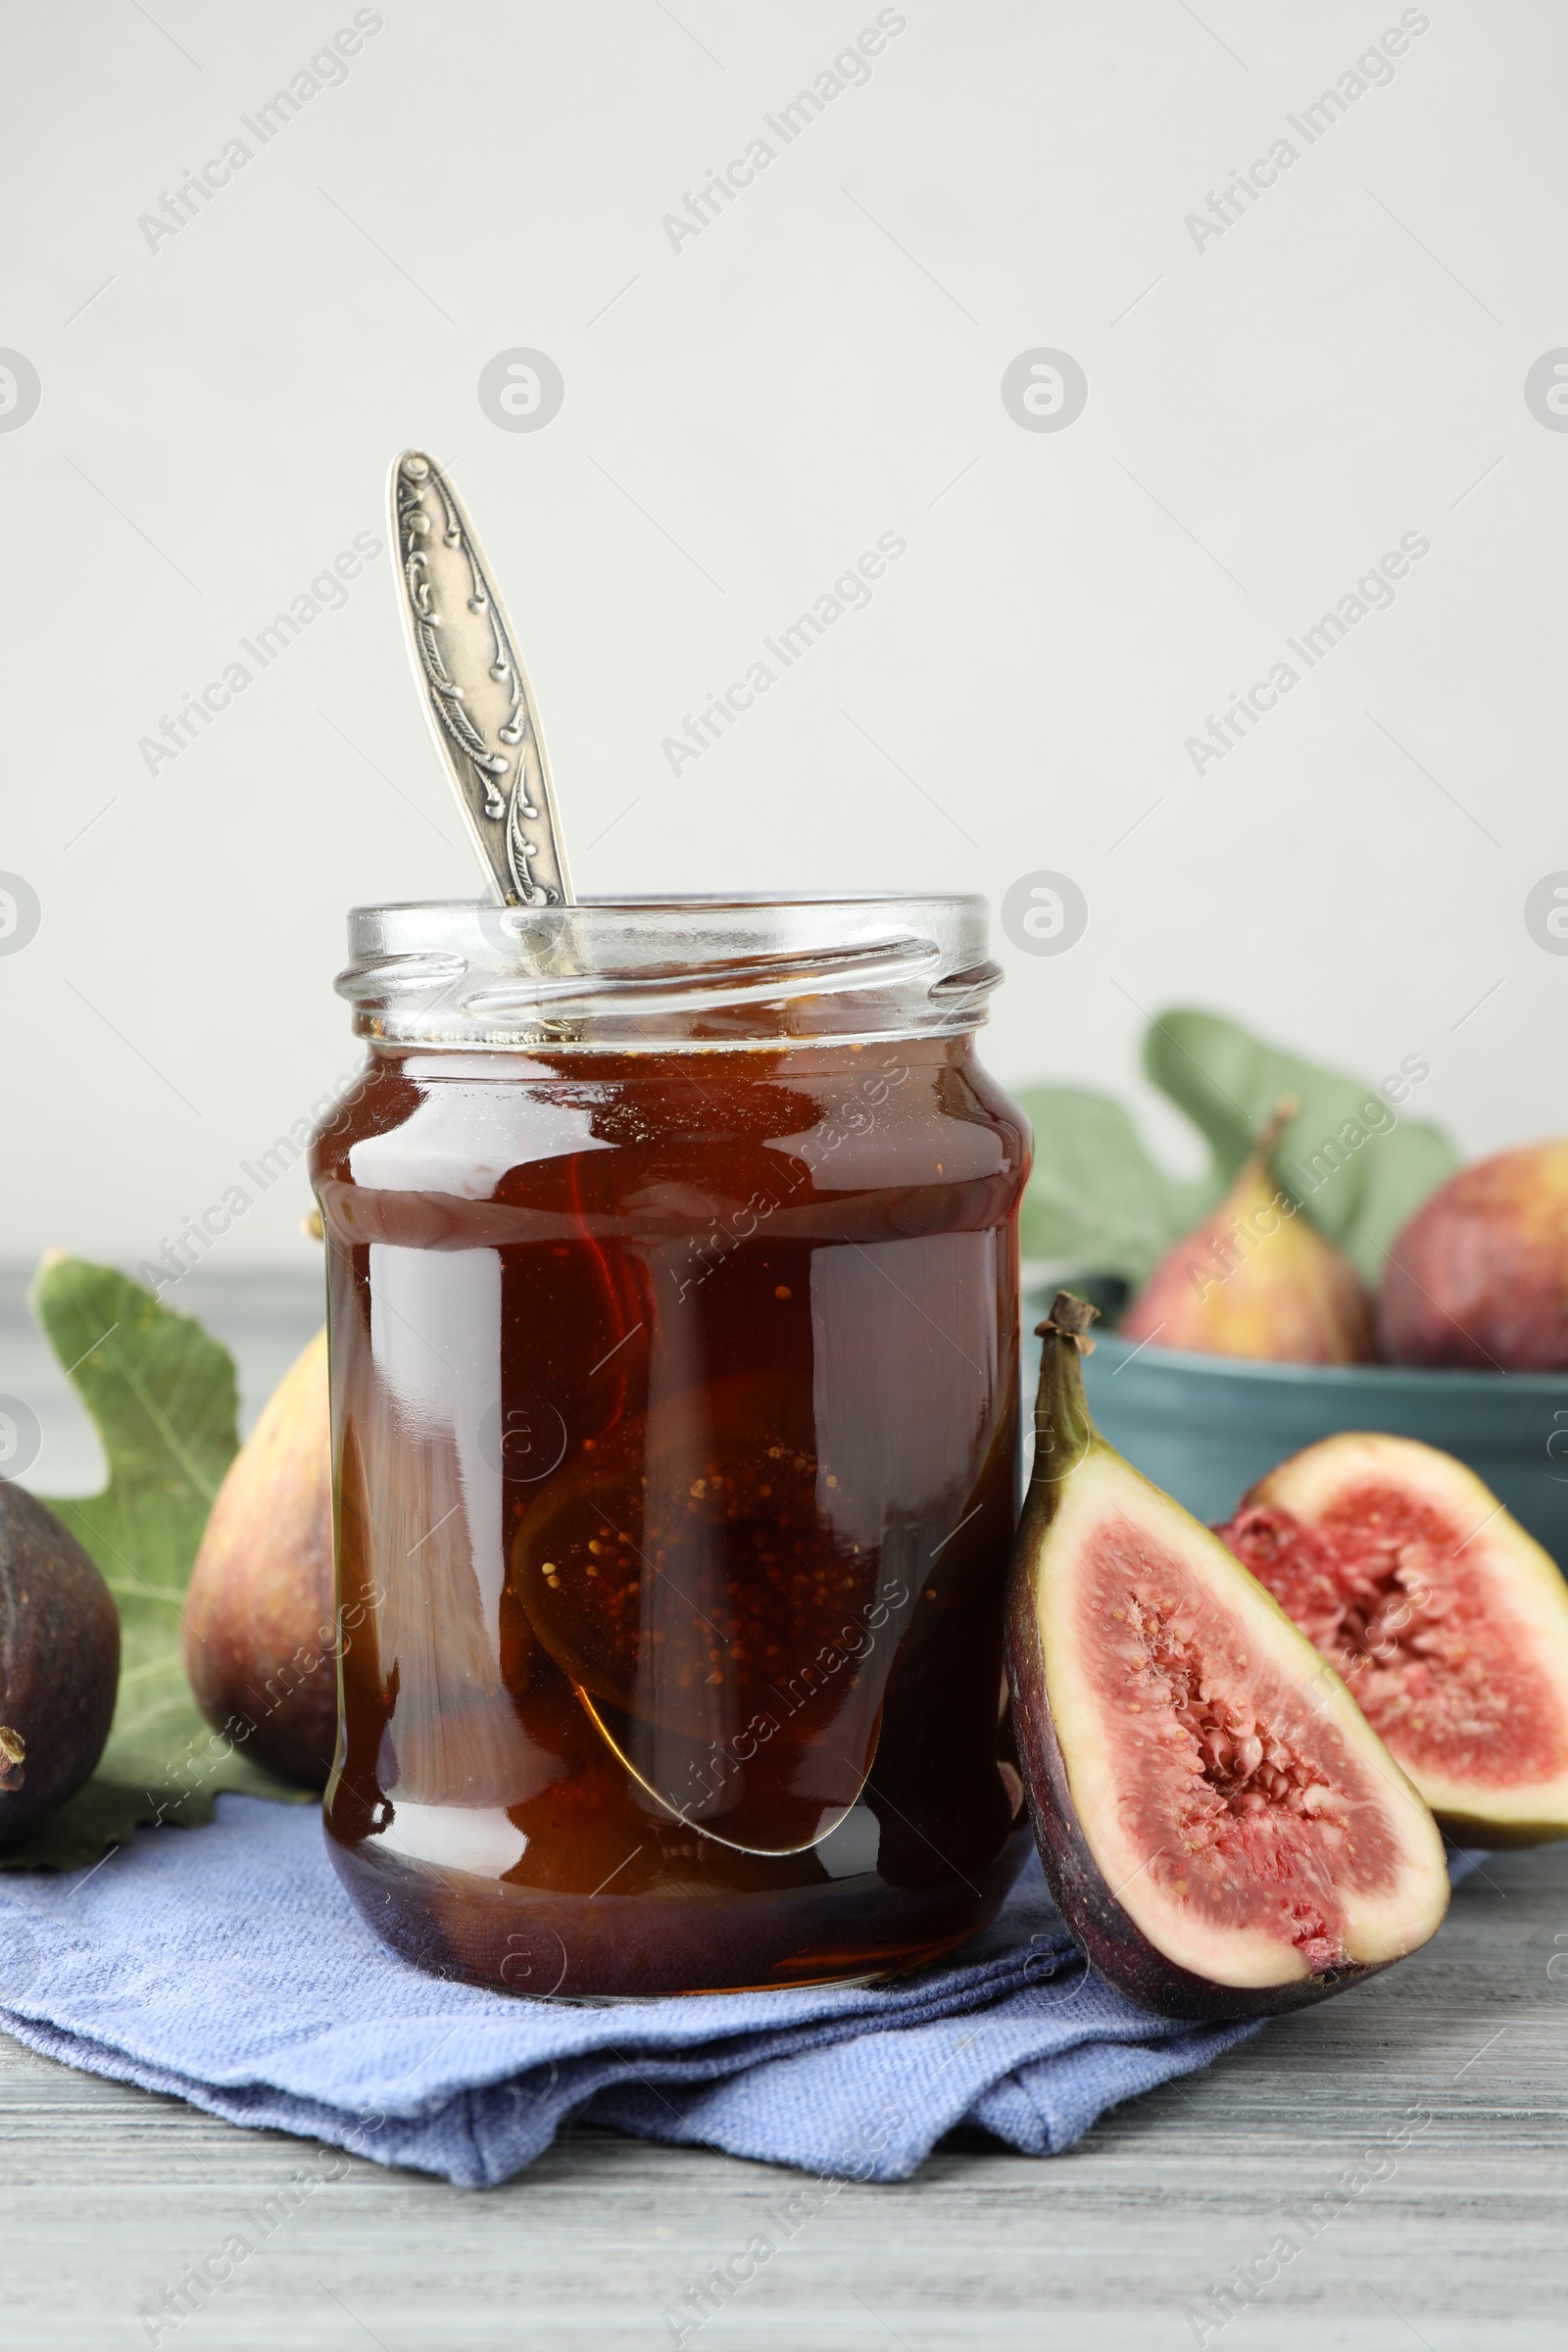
(676, 1429)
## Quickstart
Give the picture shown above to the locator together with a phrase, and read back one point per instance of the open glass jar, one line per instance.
(672, 1279)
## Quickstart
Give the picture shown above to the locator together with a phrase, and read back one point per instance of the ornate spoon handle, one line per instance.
(477, 692)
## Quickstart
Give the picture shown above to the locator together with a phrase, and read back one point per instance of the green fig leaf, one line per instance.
(162, 1395)
(1356, 1162)
(1096, 1203)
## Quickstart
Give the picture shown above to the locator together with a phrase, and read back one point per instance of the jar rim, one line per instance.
(670, 971)
(678, 900)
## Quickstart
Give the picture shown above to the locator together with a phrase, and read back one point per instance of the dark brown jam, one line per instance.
(675, 1425)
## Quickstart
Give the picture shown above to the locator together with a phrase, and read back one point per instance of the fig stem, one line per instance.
(13, 1752)
(1063, 1430)
(1267, 1140)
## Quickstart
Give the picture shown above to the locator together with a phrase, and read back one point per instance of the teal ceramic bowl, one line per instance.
(1207, 1427)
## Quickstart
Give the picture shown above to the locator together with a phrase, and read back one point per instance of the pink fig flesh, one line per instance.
(1447, 1621)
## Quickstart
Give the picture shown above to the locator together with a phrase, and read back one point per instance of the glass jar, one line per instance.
(672, 1275)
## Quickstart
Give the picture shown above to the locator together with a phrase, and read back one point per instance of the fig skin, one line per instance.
(1098, 1922)
(259, 1642)
(1291, 1295)
(59, 1662)
(1479, 1276)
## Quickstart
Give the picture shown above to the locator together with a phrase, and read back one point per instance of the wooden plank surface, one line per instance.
(109, 2194)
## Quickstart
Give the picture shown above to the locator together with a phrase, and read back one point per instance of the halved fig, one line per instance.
(1449, 1622)
(1225, 1834)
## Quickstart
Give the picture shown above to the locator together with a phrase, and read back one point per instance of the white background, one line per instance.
(741, 416)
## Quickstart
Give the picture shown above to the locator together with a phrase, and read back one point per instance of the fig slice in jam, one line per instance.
(729, 1647)
(1447, 1621)
(1224, 1833)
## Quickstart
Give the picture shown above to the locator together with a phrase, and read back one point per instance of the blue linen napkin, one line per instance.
(227, 1966)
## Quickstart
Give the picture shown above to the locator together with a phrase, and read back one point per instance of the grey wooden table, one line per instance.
(109, 2194)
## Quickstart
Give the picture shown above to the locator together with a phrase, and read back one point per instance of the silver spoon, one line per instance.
(476, 690)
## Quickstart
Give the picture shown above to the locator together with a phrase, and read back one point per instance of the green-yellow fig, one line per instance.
(1256, 1278)
(259, 1642)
